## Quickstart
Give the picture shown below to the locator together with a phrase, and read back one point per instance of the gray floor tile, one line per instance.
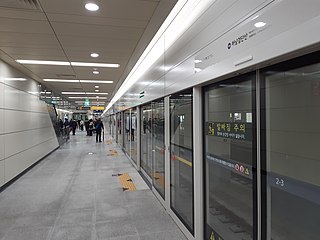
(27, 233)
(72, 233)
(114, 229)
(76, 217)
(72, 195)
(175, 235)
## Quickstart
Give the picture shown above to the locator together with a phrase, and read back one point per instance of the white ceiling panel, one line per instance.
(64, 30)
(124, 9)
(24, 26)
(75, 29)
(105, 21)
(28, 39)
(21, 14)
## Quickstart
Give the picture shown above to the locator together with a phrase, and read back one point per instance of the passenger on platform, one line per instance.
(87, 127)
(73, 125)
(81, 125)
(98, 126)
(91, 127)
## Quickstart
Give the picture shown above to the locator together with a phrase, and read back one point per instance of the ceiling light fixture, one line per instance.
(259, 24)
(92, 7)
(96, 90)
(95, 81)
(74, 80)
(96, 86)
(94, 55)
(84, 97)
(95, 72)
(15, 79)
(75, 64)
(75, 93)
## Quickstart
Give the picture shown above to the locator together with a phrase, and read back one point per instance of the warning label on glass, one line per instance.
(239, 131)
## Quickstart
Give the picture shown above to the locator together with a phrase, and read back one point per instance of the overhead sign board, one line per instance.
(93, 108)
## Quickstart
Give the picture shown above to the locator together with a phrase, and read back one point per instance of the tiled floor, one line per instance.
(72, 195)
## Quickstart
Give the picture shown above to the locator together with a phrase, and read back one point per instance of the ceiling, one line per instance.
(61, 30)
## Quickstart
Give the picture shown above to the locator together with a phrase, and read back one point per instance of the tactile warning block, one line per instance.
(126, 182)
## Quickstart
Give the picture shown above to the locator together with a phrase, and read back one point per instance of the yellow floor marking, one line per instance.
(109, 142)
(112, 153)
(183, 160)
(126, 182)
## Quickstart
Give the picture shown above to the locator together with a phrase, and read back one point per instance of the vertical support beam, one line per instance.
(198, 164)
(258, 117)
(167, 150)
(138, 126)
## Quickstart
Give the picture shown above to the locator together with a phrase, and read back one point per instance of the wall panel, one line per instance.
(26, 131)
(1, 172)
(15, 164)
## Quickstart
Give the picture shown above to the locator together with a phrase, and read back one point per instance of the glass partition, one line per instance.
(181, 157)
(158, 148)
(127, 130)
(133, 134)
(120, 128)
(230, 159)
(146, 139)
(290, 143)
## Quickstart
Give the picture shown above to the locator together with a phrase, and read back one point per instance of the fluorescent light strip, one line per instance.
(95, 81)
(87, 97)
(73, 80)
(75, 64)
(14, 79)
(60, 80)
(178, 21)
(84, 93)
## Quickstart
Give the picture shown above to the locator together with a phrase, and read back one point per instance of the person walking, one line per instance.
(98, 126)
(73, 125)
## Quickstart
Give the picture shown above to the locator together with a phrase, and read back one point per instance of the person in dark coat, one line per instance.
(73, 125)
(98, 126)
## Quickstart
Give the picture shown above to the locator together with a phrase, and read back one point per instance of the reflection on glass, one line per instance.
(158, 148)
(133, 134)
(119, 127)
(127, 133)
(229, 159)
(292, 110)
(146, 139)
(181, 157)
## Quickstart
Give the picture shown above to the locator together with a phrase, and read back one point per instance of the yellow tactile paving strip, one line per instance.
(126, 182)
(112, 153)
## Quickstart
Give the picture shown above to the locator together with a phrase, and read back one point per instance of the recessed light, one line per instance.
(96, 90)
(96, 86)
(259, 24)
(197, 61)
(95, 72)
(92, 7)
(94, 55)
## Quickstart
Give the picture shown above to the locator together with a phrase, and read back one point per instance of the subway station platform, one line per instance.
(78, 193)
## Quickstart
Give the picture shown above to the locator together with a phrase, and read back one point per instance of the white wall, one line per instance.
(208, 37)
(26, 131)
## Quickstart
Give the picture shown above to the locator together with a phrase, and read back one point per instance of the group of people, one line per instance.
(91, 126)
(94, 126)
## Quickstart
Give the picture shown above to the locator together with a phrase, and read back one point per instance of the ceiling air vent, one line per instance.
(21, 4)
